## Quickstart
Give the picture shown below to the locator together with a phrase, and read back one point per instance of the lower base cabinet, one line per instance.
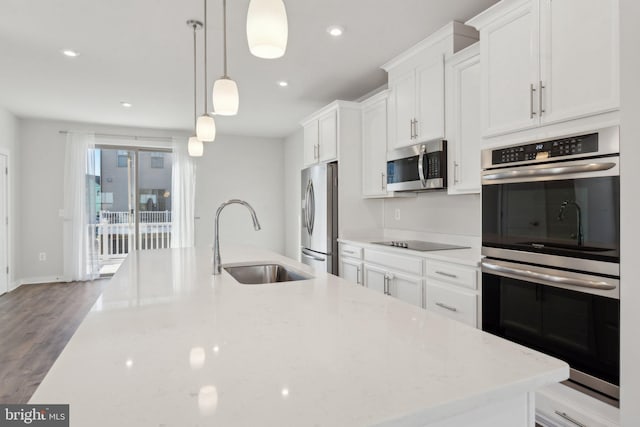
(456, 304)
(351, 270)
(396, 284)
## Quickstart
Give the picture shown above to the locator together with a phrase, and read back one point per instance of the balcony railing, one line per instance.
(115, 232)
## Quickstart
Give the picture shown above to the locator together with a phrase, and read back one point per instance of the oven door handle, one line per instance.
(560, 280)
(550, 170)
(421, 156)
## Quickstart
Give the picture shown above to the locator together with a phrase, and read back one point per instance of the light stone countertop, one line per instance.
(168, 344)
(470, 256)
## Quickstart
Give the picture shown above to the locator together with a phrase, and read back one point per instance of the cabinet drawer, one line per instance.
(453, 273)
(397, 262)
(450, 302)
(350, 251)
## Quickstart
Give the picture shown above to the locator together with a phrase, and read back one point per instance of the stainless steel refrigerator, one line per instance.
(319, 237)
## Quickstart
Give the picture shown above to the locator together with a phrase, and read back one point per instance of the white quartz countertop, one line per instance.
(468, 256)
(168, 344)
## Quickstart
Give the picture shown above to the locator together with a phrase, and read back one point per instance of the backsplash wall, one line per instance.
(435, 212)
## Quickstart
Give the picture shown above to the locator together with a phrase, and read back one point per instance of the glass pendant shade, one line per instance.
(267, 28)
(225, 97)
(195, 147)
(206, 128)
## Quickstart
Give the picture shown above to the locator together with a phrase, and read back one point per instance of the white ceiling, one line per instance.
(141, 51)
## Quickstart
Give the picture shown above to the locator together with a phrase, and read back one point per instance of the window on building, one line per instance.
(157, 160)
(123, 158)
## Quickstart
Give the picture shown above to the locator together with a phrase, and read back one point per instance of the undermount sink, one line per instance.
(258, 274)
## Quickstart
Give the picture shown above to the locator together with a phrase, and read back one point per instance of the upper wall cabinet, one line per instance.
(463, 121)
(547, 61)
(416, 107)
(374, 145)
(321, 136)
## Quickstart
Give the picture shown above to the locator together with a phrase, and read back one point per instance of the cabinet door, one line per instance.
(402, 110)
(509, 52)
(374, 278)
(451, 302)
(310, 153)
(430, 101)
(351, 270)
(328, 136)
(579, 59)
(374, 149)
(464, 132)
(406, 288)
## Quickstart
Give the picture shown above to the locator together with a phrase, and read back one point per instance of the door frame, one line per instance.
(7, 223)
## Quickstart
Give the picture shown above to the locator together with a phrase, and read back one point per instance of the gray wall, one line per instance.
(232, 167)
(630, 206)
(293, 146)
(248, 168)
(9, 144)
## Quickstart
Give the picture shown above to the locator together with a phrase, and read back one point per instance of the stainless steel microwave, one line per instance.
(418, 167)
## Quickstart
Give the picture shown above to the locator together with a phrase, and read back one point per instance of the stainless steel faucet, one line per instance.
(217, 267)
(563, 207)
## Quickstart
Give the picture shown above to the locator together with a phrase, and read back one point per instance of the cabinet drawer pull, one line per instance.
(446, 307)
(540, 98)
(570, 419)
(531, 112)
(382, 180)
(348, 252)
(442, 273)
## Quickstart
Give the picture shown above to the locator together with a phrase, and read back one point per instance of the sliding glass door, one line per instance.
(133, 202)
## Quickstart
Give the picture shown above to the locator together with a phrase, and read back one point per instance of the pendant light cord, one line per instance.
(195, 113)
(224, 29)
(206, 103)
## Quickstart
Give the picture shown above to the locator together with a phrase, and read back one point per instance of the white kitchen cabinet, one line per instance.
(321, 136)
(374, 146)
(351, 265)
(351, 270)
(394, 283)
(416, 107)
(463, 121)
(451, 290)
(539, 67)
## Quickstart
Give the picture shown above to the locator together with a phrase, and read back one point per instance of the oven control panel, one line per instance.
(582, 144)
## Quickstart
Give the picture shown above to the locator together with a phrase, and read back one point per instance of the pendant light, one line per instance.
(206, 125)
(267, 28)
(195, 146)
(225, 90)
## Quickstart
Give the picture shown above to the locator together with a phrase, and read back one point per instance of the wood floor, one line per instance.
(36, 322)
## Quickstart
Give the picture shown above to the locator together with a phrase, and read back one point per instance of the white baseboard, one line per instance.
(42, 279)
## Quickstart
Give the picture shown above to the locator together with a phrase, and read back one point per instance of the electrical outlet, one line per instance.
(396, 214)
(42, 256)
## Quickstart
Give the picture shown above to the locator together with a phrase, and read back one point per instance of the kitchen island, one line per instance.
(168, 344)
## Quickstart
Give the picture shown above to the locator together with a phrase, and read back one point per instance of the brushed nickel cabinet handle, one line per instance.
(382, 180)
(540, 98)
(531, 112)
(442, 273)
(446, 307)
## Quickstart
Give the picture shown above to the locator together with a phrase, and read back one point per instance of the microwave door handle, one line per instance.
(551, 170)
(560, 280)
(421, 156)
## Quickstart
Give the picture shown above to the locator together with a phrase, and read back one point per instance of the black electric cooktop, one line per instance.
(419, 245)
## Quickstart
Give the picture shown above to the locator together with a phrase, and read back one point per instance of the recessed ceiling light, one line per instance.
(283, 83)
(335, 30)
(70, 53)
(126, 104)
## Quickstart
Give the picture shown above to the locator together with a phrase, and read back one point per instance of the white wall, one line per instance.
(293, 146)
(247, 168)
(41, 192)
(436, 212)
(630, 209)
(9, 145)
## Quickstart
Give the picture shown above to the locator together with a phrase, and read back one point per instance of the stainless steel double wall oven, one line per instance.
(551, 237)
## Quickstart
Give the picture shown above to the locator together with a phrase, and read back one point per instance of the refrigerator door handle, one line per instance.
(306, 208)
(312, 205)
(306, 254)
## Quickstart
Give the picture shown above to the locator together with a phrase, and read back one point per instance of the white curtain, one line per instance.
(80, 248)
(183, 192)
